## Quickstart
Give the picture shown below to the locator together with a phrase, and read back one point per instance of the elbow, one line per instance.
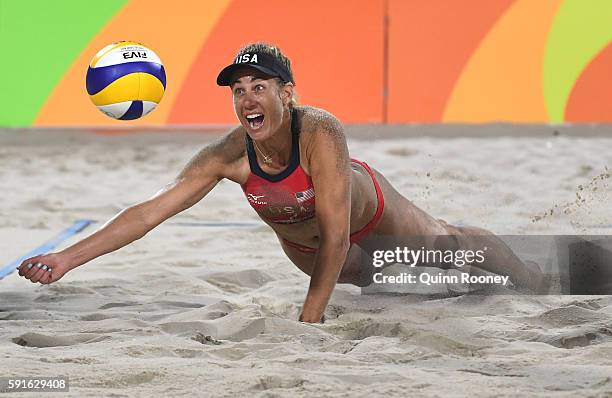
(139, 215)
(344, 244)
(339, 243)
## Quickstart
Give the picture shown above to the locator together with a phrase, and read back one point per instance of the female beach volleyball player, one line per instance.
(293, 165)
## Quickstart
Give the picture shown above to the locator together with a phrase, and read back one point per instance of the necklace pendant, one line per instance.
(266, 159)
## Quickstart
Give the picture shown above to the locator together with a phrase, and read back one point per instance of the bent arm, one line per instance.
(330, 171)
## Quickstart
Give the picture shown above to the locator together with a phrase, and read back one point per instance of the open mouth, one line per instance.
(255, 120)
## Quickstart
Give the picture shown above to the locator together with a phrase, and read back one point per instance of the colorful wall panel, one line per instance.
(430, 43)
(367, 61)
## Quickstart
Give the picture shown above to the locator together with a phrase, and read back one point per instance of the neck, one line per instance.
(278, 146)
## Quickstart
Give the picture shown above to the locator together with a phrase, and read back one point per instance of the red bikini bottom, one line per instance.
(357, 236)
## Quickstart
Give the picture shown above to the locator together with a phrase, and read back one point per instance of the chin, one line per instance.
(258, 135)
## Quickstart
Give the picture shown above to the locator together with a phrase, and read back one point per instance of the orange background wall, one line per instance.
(366, 61)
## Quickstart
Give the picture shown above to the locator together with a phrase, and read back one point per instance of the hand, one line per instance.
(311, 317)
(45, 269)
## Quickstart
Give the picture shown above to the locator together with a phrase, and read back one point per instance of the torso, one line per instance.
(284, 197)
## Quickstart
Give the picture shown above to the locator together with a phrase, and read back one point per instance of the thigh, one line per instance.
(403, 221)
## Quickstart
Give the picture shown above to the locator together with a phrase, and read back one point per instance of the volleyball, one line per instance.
(126, 80)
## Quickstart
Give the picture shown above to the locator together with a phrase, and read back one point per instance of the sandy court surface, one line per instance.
(212, 310)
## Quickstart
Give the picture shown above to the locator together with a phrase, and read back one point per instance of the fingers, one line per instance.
(36, 272)
(41, 273)
(27, 265)
(47, 277)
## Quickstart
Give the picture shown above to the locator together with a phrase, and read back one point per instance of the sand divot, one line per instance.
(42, 341)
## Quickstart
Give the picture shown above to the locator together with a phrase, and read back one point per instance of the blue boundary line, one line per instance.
(75, 228)
(80, 225)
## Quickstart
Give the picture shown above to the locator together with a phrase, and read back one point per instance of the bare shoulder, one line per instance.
(321, 134)
(220, 156)
(319, 121)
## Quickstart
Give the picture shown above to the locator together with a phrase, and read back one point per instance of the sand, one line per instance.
(211, 310)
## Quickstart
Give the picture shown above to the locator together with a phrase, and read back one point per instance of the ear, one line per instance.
(287, 93)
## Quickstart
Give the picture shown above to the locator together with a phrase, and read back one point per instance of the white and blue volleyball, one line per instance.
(126, 80)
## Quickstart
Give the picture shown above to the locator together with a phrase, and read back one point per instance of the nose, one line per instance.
(249, 100)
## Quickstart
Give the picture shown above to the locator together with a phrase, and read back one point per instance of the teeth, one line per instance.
(253, 116)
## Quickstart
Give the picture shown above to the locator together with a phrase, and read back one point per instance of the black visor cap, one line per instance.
(264, 63)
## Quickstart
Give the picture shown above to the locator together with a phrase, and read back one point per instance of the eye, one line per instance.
(259, 88)
(238, 91)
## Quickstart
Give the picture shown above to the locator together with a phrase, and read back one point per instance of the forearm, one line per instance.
(126, 227)
(329, 260)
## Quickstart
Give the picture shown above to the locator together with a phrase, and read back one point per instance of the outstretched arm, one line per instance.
(197, 179)
(330, 171)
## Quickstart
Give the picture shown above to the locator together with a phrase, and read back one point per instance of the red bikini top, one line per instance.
(284, 198)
